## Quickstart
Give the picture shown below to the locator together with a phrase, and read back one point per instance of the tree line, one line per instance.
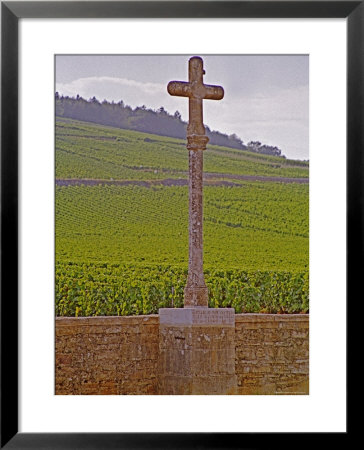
(120, 115)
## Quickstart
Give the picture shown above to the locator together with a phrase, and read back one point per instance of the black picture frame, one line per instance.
(11, 12)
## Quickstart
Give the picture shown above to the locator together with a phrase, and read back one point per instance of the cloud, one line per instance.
(277, 118)
(105, 84)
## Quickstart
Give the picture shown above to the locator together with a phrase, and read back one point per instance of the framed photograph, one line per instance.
(42, 44)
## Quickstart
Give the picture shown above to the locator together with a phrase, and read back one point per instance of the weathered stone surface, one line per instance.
(196, 91)
(195, 293)
(197, 351)
(271, 353)
(197, 316)
(107, 355)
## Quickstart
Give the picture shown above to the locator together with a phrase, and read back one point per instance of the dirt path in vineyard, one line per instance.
(210, 179)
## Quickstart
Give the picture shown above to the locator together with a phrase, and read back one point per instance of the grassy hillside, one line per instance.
(123, 249)
(86, 150)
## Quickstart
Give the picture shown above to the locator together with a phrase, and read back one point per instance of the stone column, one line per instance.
(196, 294)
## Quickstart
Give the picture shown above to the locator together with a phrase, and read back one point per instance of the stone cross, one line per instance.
(196, 294)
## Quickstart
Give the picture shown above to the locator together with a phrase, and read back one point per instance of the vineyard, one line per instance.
(123, 249)
(92, 151)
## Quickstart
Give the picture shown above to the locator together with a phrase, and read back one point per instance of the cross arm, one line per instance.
(179, 88)
(213, 92)
(185, 89)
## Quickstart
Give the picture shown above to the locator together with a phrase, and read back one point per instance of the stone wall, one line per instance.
(120, 355)
(271, 353)
(107, 355)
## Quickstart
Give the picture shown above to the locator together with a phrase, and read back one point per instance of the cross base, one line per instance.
(197, 351)
(196, 296)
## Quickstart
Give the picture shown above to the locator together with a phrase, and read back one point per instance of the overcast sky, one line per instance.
(266, 96)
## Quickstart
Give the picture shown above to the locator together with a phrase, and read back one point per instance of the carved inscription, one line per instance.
(213, 316)
(197, 316)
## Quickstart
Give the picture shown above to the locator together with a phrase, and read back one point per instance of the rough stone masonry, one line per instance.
(121, 355)
(196, 344)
